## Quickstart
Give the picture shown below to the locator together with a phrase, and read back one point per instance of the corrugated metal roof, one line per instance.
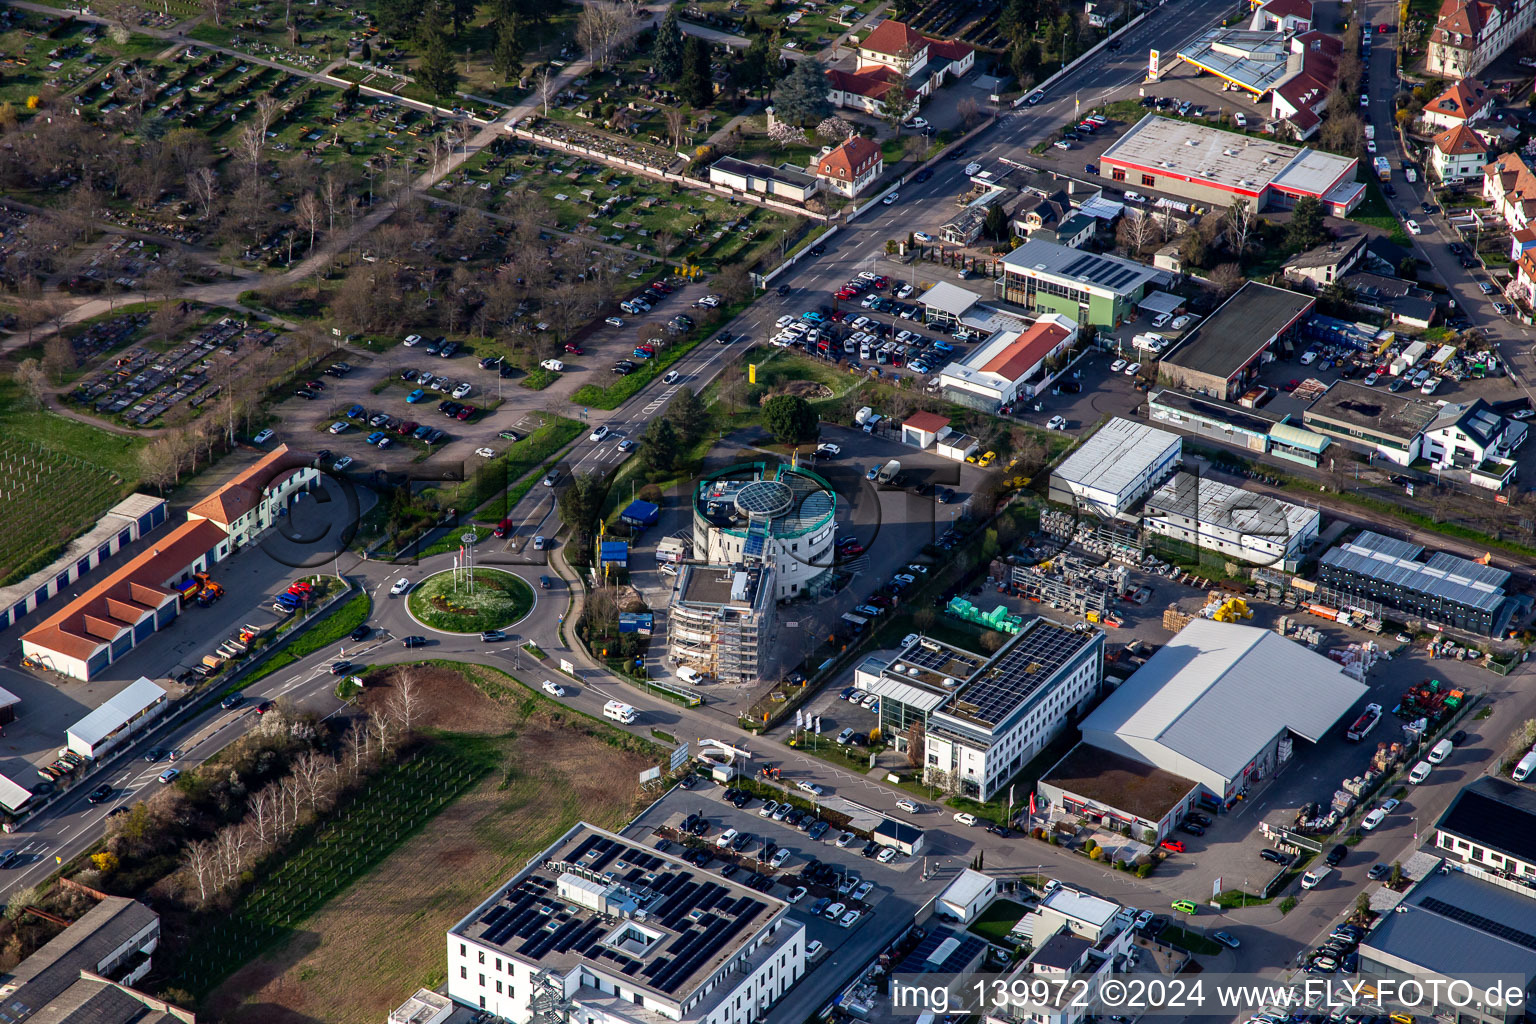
(920, 697)
(1298, 437)
(1218, 692)
(1116, 455)
(117, 711)
(12, 794)
(1394, 562)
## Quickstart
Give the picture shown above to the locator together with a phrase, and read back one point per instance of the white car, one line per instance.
(598, 434)
(780, 858)
(486, 453)
(670, 378)
(1135, 197)
(867, 275)
(921, 236)
(968, 820)
(1062, 144)
(463, 390)
(864, 889)
(834, 912)
(916, 124)
(1413, 227)
(1133, 369)
(910, 806)
(342, 463)
(614, 321)
(553, 365)
(828, 450)
(859, 323)
(553, 689)
(809, 787)
(971, 168)
(1370, 145)
(1057, 423)
(1181, 322)
(905, 577)
(1430, 386)
(921, 570)
(813, 950)
(263, 437)
(888, 200)
(1373, 819)
(726, 838)
(400, 587)
(886, 855)
(412, 340)
(846, 839)
(1161, 320)
(783, 322)
(906, 289)
(851, 918)
(1117, 366)
(797, 895)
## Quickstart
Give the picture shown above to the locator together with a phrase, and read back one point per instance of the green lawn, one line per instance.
(1195, 943)
(1374, 212)
(998, 920)
(496, 600)
(339, 621)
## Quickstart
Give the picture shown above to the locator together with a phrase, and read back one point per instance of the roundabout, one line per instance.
(450, 602)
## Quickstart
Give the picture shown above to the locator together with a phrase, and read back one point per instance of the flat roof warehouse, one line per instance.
(1225, 160)
(1244, 326)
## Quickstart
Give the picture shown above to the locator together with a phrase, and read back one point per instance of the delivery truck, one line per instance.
(1383, 169)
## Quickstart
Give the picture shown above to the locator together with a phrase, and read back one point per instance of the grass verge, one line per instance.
(338, 622)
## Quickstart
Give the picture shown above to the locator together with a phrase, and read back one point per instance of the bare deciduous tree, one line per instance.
(405, 704)
(199, 862)
(309, 214)
(33, 380)
(1239, 224)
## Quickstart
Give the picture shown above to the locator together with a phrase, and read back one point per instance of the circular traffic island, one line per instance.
(446, 602)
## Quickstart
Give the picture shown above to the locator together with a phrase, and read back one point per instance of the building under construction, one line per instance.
(1071, 583)
(721, 622)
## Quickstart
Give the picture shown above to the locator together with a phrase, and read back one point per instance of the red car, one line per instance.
(574, 349)
(881, 281)
(407, 428)
(1382, 28)
(466, 412)
(301, 587)
(1172, 845)
(838, 315)
(1291, 385)
(849, 550)
(846, 294)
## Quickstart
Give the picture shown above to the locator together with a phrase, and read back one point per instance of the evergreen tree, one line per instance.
(438, 71)
(995, 226)
(689, 414)
(658, 446)
(399, 18)
(754, 71)
(667, 56)
(801, 98)
(507, 58)
(1306, 228)
(695, 87)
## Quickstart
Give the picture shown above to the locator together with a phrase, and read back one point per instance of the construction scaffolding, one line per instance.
(1072, 583)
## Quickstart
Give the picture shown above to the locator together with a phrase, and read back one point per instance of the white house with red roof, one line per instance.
(1510, 188)
(1469, 34)
(1301, 97)
(1464, 103)
(1010, 365)
(1283, 16)
(895, 55)
(1458, 153)
(851, 167)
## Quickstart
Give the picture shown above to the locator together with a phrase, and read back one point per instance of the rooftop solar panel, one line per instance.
(1022, 669)
(1483, 924)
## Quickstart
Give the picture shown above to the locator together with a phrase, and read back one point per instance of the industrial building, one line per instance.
(130, 605)
(778, 516)
(1116, 467)
(118, 719)
(1373, 420)
(1010, 366)
(131, 519)
(1491, 823)
(1224, 354)
(1091, 289)
(1454, 926)
(721, 622)
(614, 931)
(84, 973)
(983, 718)
(1118, 791)
(1207, 708)
(1446, 590)
(1232, 522)
(1250, 429)
(1215, 168)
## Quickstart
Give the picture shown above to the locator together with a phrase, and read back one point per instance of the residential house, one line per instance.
(1283, 16)
(925, 63)
(869, 90)
(1510, 188)
(1457, 154)
(1076, 231)
(1472, 437)
(1521, 242)
(1403, 301)
(1312, 72)
(851, 167)
(1464, 102)
(1328, 262)
(1036, 211)
(1469, 34)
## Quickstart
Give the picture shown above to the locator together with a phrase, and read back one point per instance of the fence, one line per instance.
(666, 175)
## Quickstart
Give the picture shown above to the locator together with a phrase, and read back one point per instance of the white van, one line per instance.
(1312, 879)
(1525, 767)
(619, 712)
(1441, 751)
(1420, 773)
(689, 675)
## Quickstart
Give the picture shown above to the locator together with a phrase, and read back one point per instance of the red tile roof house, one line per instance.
(1466, 102)
(1458, 153)
(851, 167)
(1300, 99)
(1469, 34)
(1510, 187)
(124, 609)
(893, 53)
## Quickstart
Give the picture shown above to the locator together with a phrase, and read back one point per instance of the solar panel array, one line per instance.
(1483, 924)
(916, 962)
(703, 915)
(1101, 271)
(1444, 576)
(1026, 666)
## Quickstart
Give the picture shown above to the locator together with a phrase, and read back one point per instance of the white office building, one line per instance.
(1116, 467)
(621, 933)
(1235, 523)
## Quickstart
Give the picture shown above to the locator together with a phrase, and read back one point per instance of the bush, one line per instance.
(1288, 904)
(1143, 870)
(1097, 853)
